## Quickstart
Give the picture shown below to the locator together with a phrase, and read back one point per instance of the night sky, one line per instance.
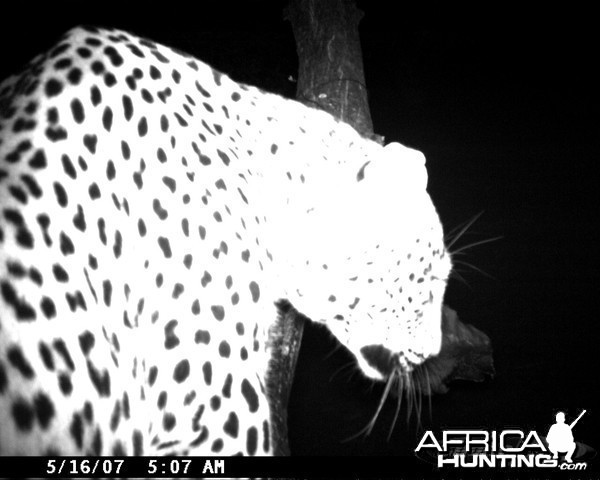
(504, 105)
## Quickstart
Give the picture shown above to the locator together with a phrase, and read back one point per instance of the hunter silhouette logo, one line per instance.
(509, 448)
(560, 437)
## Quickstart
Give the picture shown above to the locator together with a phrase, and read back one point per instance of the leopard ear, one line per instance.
(406, 164)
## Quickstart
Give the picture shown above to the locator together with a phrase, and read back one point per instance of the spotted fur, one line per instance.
(151, 213)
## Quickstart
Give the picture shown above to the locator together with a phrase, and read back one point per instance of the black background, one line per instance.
(504, 105)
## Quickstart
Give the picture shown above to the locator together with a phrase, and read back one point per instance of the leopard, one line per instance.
(153, 212)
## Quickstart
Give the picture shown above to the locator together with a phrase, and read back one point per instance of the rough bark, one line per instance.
(330, 68)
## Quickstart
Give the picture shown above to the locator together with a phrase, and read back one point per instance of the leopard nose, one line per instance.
(380, 358)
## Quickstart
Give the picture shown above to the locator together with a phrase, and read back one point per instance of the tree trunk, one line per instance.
(330, 68)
